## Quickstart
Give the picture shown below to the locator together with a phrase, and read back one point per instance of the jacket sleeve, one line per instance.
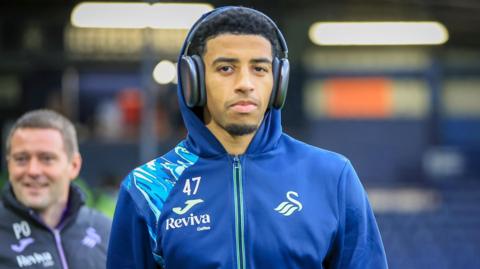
(129, 245)
(358, 244)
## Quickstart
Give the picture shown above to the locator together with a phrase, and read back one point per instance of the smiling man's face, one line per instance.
(39, 169)
(238, 81)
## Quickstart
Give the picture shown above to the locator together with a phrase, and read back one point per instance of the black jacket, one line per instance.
(78, 242)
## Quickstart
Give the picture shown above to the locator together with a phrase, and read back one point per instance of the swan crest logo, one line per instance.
(288, 208)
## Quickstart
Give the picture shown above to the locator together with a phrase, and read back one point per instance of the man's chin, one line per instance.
(240, 129)
(35, 203)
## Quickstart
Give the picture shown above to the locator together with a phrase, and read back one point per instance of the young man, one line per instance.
(238, 192)
(43, 220)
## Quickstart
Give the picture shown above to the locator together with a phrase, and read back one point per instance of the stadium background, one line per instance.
(407, 116)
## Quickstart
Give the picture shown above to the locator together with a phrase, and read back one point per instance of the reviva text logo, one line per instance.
(193, 220)
(45, 259)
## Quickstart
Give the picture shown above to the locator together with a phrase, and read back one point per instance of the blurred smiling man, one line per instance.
(44, 222)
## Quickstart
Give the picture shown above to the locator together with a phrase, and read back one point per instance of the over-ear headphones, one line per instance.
(192, 73)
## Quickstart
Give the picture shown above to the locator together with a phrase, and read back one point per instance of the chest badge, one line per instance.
(287, 208)
(91, 238)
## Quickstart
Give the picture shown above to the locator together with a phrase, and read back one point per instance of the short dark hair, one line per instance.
(47, 119)
(238, 21)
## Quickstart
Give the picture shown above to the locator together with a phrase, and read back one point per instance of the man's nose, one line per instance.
(245, 80)
(34, 167)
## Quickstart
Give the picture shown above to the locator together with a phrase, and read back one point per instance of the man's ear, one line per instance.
(75, 166)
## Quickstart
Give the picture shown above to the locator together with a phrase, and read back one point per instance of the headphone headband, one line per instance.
(207, 16)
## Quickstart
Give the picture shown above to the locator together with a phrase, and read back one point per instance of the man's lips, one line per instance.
(244, 106)
(34, 185)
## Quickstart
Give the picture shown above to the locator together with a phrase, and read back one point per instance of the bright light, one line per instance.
(165, 72)
(177, 16)
(111, 15)
(137, 15)
(378, 33)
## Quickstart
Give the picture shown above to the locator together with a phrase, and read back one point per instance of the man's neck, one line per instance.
(53, 215)
(234, 145)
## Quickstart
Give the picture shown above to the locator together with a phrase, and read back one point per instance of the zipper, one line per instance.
(58, 239)
(239, 215)
(58, 243)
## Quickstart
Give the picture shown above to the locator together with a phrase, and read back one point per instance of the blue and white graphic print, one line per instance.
(155, 180)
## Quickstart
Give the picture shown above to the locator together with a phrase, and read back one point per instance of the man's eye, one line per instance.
(47, 159)
(225, 69)
(20, 159)
(261, 69)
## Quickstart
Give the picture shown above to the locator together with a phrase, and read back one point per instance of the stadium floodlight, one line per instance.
(131, 15)
(165, 72)
(378, 33)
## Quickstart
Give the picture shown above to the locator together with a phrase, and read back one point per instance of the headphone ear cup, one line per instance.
(282, 84)
(193, 83)
(280, 70)
(202, 94)
(275, 72)
(189, 80)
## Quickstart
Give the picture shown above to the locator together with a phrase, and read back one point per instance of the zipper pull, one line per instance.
(236, 161)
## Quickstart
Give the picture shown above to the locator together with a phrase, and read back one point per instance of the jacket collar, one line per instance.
(76, 199)
(203, 143)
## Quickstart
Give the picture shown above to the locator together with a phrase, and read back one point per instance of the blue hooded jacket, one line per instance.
(283, 204)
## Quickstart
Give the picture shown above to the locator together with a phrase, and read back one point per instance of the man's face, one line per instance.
(239, 81)
(39, 168)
